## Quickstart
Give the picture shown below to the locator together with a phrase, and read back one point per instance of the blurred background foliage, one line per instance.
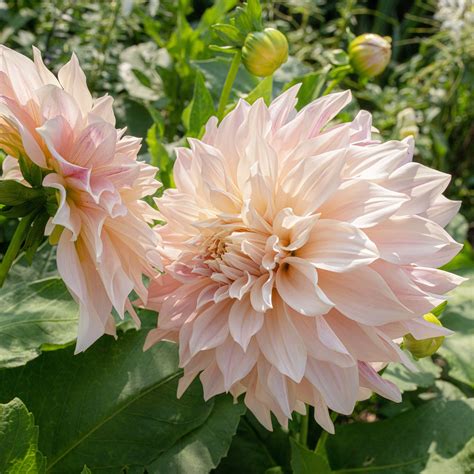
(146, 54)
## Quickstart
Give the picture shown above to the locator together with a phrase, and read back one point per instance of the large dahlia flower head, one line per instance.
(296, 254)
(105, 243)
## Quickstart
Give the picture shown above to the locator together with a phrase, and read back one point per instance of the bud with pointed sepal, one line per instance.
(370, 54)
(424, 347)
(264, 51)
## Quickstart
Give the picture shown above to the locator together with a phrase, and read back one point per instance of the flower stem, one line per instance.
(15, 245)
(234, 67)
(321, 444)
(303, 438)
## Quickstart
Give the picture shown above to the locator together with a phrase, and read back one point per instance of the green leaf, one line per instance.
(255, 450)
(201, 107)
(30, 171)
(229, 34)
(311, 86)
(435, 438)
(202, 449)
(86, 470)
(263, 90)
(254, 13)
(458, 349)
(115, 406)
(458, 228)
(19, 440)
(35, 309)
(304, 461)
(13, 193)
(406, 380)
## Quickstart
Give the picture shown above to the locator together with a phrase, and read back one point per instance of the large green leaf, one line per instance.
(436, 438)
(19, 440)
(458, 349)
(305, 461)
(36, 311)
(116, 406)
(255, 450)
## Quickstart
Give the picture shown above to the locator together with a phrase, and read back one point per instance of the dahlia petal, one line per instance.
(212, 381)
(234, 362)
(103, 108)
(282, 109)
(297, 284)
(281, 344)
(369, 378)
(312, 182)
(421, 183)
(73, 80)
(338, 385)
(442, 210)
(404, 240)
(364, 296)
(362, 203)
(244, 322)
(210, 329)
(338, 247)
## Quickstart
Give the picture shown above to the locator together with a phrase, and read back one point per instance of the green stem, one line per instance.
(234, 67)
(321, 445)
(304, 428)
(15, 245)
(331, 86)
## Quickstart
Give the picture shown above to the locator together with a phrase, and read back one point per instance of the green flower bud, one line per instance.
(406, 123)
(369, 54)
(264, 51)
(424, 347)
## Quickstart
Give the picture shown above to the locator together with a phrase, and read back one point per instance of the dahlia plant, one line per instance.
(288, 269)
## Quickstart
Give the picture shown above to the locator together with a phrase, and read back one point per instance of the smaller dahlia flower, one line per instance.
(295, 254)
(101, 227)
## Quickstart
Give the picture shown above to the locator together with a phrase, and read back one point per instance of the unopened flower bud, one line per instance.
(369, 54)
(264, 51)
(406, 123)
(424, 347)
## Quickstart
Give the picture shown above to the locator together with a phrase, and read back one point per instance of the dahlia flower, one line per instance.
(295, 253)
(105, 243)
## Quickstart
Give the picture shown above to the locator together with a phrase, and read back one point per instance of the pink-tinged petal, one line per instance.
(293, 231)
(321, 342)
(338, 247)
(364, 296)
(311, 119)
(261, 293)
(278, 385)
(281, 343)
(376, 161)
(95, 146)
(54, 102)
(442, 210)
(210, 329)
(407, 291)
(421, 183)
(321, 413)
(103, 108)
(73, 80)
(47, 77)
(370, 379)
(234, 362)
(338, 385)
(22, 74)
(244, 322)
(312, 182)
(405, 240)
(212, 381)
(297, 284)
(361, 127)
(433, 280)
(282, 109)
(362, 203)
(421, 329)
(66, 215)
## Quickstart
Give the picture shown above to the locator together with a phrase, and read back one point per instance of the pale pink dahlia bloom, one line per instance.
(105, 243)
(295, 253)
